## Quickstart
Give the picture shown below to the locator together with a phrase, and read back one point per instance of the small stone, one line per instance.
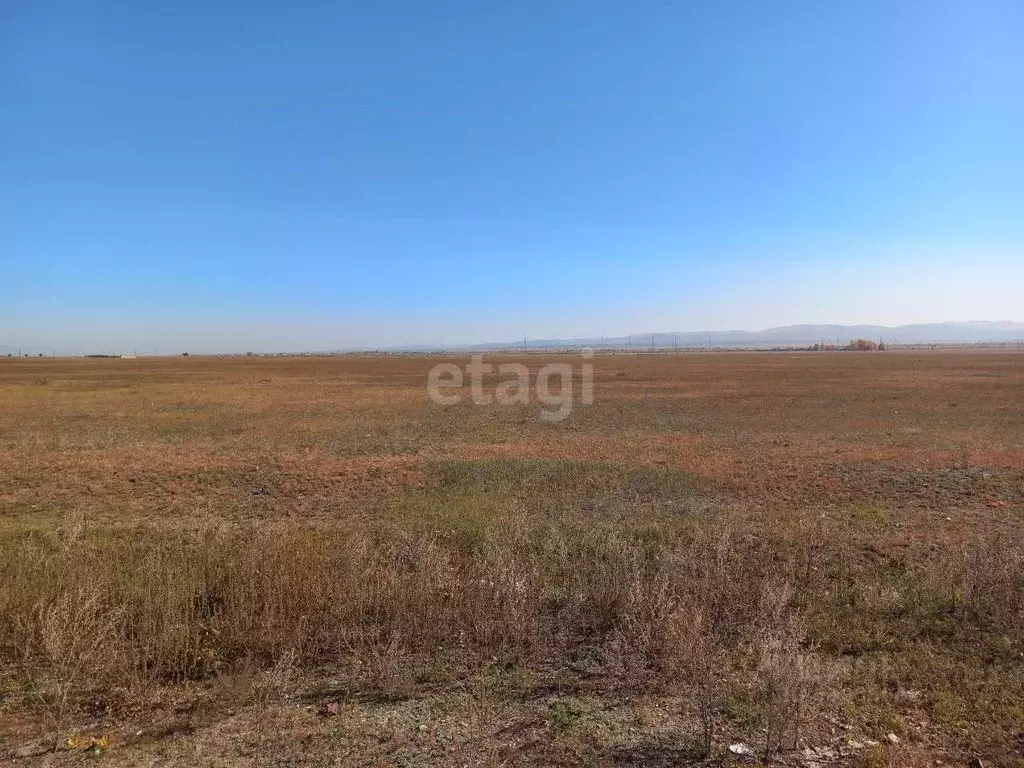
(329, 709)
(892, 738)
(422, 728)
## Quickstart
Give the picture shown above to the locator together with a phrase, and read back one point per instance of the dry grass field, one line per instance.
(304, 561)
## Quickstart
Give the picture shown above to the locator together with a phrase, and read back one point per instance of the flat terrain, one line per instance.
(816, 556)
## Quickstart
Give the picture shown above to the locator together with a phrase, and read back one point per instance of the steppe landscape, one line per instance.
(804, 558)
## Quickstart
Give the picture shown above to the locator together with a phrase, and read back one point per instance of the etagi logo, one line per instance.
(515, 388)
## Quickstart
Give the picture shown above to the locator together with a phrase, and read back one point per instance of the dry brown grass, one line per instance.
(766, 544)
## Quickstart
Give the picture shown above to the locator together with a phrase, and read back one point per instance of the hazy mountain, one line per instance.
(789, 335)
(782, 336)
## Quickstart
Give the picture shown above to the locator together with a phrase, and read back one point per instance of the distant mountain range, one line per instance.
(784, 336)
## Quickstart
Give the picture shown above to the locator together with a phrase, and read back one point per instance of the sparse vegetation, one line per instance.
(723, 549)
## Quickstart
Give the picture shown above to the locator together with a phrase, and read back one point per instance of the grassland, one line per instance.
(305, 561)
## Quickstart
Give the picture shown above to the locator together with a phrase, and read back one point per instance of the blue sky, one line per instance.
(268, 175)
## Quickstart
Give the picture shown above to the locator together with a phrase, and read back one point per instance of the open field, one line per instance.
(305, 561)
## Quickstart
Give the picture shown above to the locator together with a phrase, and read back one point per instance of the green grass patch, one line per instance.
(465, 498)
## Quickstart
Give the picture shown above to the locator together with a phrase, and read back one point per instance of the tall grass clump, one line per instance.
(702, 606)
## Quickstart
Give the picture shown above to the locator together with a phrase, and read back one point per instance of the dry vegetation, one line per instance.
(304, 561)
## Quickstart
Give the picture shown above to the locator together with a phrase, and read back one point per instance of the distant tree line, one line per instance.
(855, 345)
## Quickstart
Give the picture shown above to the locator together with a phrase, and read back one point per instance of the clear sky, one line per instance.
(302, 175)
